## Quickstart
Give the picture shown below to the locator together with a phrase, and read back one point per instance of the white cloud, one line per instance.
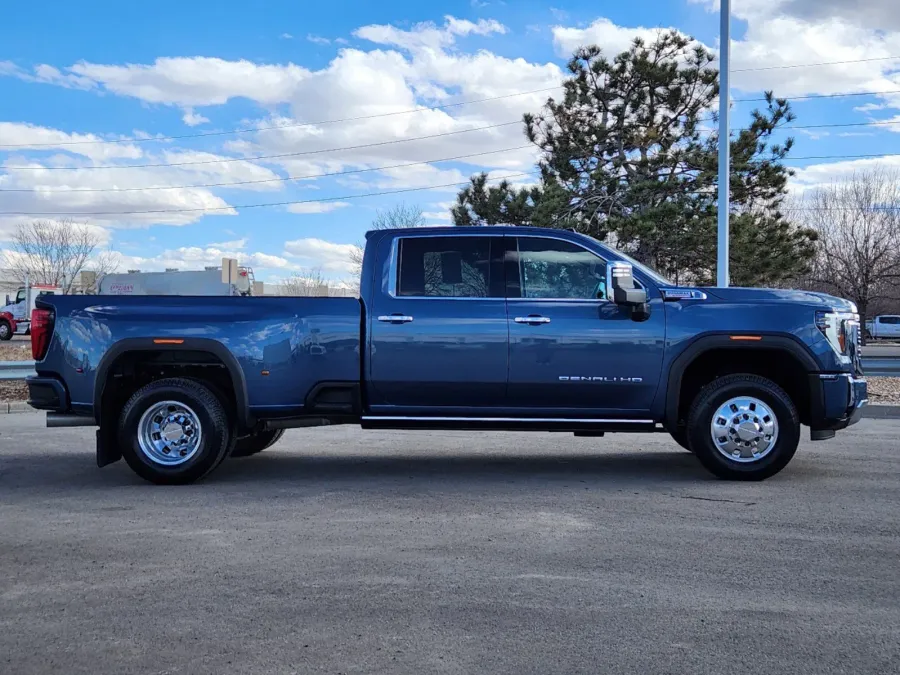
(196, 258)
(189, 81)
(192, 119)
(318, 253)
(610, 37)
(286, 36)
(818, 175)
(317, 39)
(236, 244)
(317, 207)
(32, 137)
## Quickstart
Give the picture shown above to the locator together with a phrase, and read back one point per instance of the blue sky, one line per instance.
(125, 71)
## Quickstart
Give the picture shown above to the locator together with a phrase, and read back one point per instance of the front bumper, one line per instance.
(836, 400)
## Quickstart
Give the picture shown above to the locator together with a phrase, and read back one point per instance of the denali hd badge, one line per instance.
(579, 378)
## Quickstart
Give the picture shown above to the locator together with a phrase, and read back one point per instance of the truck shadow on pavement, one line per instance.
(276, 466)
(77, 472)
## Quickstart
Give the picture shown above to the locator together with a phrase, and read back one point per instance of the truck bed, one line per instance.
(283, 346)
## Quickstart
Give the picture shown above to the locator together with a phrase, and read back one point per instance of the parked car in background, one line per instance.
(884, 327)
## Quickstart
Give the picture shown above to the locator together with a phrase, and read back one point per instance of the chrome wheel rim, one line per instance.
(4, 330)
(744, 429)
(169, 433)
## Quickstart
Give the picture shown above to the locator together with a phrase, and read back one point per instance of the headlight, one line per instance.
(841, 330)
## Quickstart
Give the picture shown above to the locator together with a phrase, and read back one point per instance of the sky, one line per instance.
(220, 106)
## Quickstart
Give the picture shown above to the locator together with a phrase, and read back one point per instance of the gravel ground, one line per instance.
(15, 351)
(884, 390)
(339, 551)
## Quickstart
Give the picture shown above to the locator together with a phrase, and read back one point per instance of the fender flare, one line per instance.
(707, 343)
(214, 347)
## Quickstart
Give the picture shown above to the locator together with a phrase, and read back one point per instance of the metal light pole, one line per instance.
(724, 148)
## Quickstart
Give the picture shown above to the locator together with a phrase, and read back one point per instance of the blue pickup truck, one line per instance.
(490, 328)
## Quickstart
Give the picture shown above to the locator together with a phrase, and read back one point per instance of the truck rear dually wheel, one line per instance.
(256, 443)
(743, 427)
(174, 431)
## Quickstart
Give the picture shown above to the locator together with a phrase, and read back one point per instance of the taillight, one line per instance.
(41, 332)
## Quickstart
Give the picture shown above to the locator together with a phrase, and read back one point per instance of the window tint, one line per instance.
(889, 319)
(20, 296)
(445, 267)
(549, 268)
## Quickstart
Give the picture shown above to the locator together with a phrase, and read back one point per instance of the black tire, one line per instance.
(680, 436)
(6, 331)
(719, 392)
(256, 443)
(212, 420)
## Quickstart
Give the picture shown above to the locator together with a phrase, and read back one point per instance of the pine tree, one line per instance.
(629, 155)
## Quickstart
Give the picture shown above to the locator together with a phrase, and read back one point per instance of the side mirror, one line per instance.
(621, 286)
(623, 290)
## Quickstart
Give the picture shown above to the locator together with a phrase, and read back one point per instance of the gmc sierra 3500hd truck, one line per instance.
(489, 328)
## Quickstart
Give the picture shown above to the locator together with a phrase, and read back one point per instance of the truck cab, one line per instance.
(15, 315)
(884, 327)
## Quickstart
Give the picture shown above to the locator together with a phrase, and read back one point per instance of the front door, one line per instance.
(572, 351)
(438, 332)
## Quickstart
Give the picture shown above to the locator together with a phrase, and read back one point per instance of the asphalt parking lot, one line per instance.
(344, 552)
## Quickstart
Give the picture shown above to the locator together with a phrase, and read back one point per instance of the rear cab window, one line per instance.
(449, 267)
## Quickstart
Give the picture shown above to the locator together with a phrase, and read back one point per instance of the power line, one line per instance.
(281, 126)
(258, 157)
(813, 65)
(268, 180)
(255, 206)
(869, 155)
(814, 96)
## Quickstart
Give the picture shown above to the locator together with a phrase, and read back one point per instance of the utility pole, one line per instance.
(724, 148)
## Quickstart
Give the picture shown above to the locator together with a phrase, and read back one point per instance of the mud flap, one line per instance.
(108, 451)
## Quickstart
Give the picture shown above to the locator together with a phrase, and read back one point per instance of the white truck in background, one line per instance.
(883, 327)
(15, 315)
(230, 279)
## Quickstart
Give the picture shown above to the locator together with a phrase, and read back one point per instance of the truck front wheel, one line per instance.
(6, 331)
(256, 443)
(743, 427)
(174, 431)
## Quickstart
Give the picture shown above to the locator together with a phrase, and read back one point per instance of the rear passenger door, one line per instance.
(438, 334)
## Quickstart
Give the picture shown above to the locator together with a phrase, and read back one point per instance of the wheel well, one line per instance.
(133, 369)
(778, 365)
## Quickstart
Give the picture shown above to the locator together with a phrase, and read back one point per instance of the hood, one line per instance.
(778, 295)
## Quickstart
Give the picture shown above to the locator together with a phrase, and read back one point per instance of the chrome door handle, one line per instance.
(533, 320)
(395, 318)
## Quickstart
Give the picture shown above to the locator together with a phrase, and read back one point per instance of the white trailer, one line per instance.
(230, 279)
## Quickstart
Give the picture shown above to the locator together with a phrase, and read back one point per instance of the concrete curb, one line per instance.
(11, 407)
(881, 412)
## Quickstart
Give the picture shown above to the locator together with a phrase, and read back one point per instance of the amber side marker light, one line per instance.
(166, 341)
(746, 338)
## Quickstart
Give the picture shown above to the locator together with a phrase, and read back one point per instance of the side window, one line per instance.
(893, 320)
(444, 267)
(20, 296)
(553, 269)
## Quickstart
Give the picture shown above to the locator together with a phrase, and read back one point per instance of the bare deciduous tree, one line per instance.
(858, 220)
(397, 217)
(304, 284)
(55, 252)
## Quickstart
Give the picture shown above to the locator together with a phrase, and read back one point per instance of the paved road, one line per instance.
(881, 351)
(338, 552)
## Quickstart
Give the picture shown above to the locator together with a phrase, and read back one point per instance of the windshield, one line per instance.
(655, 276)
